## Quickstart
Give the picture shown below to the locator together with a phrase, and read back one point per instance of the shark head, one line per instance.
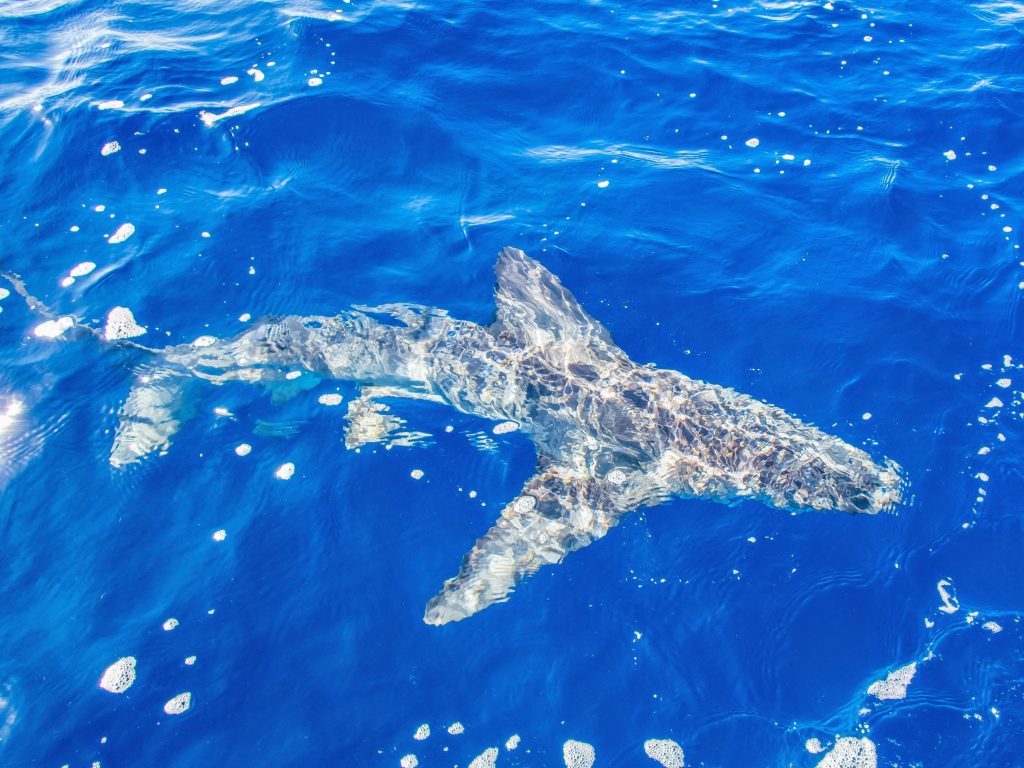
(836, 475)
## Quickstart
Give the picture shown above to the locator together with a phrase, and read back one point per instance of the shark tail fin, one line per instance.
(558, 512)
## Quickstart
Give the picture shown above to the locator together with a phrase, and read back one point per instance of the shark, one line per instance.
(611, 436)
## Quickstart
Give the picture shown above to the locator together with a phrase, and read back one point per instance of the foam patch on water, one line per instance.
(229, 80)
(119, 676)
(122, 233)
(190, 661)
(851, 752)
(409, 761)
(4, 293)
(53, 329)
(109, 104)
(170, 624)
(83, 269)
(949, 602)
(423, 732)
(813, 745)
(285, 471)
(505, 427)
(179, 703)
(210, 119)
(416, 474)
(895, 684)
(486, 759)
(513, 742)
(110, 148)
(243, 449)
(992, 627)
(121, 325)
(204, 341)
(456, 728)
(329, 399)
(578, 754)
(665, 751)
(753, 143)
(219, 535)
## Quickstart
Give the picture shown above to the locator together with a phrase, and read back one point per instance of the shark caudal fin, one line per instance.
(558, 512)
(534, 308)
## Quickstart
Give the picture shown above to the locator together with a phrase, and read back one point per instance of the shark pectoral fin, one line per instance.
(557, 513)
(157, 406)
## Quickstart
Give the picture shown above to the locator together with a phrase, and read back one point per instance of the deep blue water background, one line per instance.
(877, 278)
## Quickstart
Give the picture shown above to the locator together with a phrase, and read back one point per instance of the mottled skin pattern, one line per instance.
(611, 435)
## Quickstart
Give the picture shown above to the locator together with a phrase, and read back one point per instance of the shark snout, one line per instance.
(866, 488)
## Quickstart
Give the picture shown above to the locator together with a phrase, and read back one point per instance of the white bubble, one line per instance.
(285, 471)
(866, 415)
(665, 751)
(578, 754)
(313, 82)
(603, 184)
(949, 154)
(851, 752)
(752, 142)
(219, 535)
(423, 732)
(868, 38)
(505, 427)
(122, 233)
(245, 317)
(99, 208)
(416, 474)
(409, 761)
(1004, 383)
(190, 660)
(485, 759)
(204, 341)
(513, 742)
(329, 399)
(230, 80)
(121, 325)
(170, 624)
(205, 235)
(456, 728)
(179, 703)
(162, 191)
(53, 329)
(992, 627)
(74, 228)
(813, 746)
(243, 449)
(293, 375)
(257, 74)
(788, 156)
(524, 504)
(110, 148)
(119, 676)
(895, 684)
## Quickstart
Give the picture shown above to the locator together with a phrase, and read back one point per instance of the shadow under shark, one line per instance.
(611, 435)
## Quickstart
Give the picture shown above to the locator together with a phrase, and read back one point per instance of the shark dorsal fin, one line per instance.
(534, 308)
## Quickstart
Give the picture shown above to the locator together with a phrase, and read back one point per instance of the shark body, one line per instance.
(611, 435)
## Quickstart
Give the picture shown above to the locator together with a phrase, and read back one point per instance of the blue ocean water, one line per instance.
(815, 203)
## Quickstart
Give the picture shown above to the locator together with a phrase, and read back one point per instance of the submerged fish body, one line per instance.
(611, 435)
